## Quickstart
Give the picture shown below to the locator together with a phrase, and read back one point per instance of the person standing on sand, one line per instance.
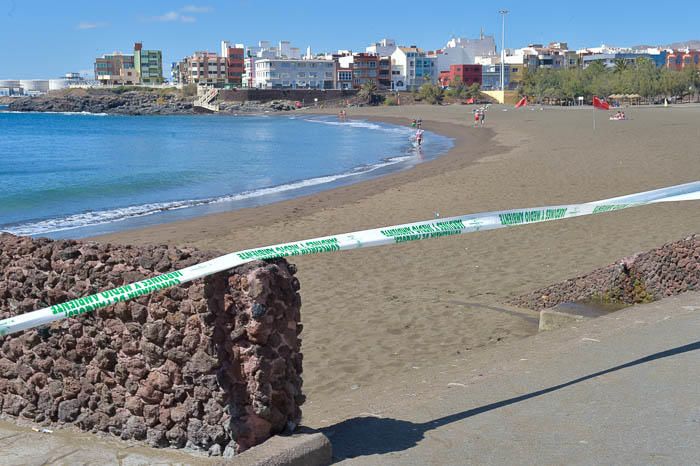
(476, 117)
(482, 116)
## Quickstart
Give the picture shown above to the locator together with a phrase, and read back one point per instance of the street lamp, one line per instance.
(503, 14)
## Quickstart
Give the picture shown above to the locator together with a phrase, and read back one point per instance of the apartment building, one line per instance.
(292, 73)
(116, 69)
(202, 68)
(264, 50)
(355, 69)
(491, 77)
(411, 67)
(610, 56)
(149, 64)
(141, 67)
(681, 59)
(235, 67)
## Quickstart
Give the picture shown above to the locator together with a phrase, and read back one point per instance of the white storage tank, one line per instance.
(10, 83)
(34, 85)
(58, 84)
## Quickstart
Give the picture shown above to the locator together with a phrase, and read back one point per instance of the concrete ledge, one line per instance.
(552, 320)
(305, 449)
(566, 314)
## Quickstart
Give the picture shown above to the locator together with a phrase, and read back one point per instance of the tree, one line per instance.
(457, 89)
(621, 65)
(368, 92)
(430, 93)
(474, 90)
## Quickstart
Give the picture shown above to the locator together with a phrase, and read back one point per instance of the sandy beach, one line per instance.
(376, 315)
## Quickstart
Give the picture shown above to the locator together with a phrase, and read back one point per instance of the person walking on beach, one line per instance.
(419, 137)
(476, 117)
(482, 116)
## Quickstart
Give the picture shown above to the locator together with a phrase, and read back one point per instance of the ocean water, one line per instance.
(77, 175)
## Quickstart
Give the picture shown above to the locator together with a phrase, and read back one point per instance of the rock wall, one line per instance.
(644, 277)
(267, 95)
(214, 364)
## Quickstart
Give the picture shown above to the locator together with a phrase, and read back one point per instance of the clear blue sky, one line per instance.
(42, 38)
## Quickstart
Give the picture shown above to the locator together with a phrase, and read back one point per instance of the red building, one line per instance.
(234, 65)
(466, 74)
(681, 59)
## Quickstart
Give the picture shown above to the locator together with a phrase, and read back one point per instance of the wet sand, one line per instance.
(372, 316)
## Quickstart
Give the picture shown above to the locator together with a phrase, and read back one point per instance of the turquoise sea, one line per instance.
(77, 175)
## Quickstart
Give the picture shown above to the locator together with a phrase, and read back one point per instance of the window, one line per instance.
(372, 64)
(301, 75)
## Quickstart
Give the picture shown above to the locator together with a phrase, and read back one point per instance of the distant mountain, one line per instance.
(691, 44)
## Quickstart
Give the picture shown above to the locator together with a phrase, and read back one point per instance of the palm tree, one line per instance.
(621, 65)
(368, 92)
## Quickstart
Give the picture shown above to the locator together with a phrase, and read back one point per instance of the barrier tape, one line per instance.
(359, 239)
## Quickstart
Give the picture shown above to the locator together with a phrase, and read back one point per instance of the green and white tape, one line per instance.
(359, 239)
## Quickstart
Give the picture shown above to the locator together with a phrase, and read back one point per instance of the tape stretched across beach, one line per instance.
(435, 228)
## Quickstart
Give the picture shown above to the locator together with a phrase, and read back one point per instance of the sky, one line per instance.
(46, 39)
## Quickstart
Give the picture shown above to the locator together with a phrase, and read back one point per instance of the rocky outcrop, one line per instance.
(125, 103)
(644, 277)
(213, 364)
(133, 103)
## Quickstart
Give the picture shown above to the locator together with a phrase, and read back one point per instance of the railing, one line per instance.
(205, 100)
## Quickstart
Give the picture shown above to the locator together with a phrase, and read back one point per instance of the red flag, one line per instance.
(521, 103)
(597, 103)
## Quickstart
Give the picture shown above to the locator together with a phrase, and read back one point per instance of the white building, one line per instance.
(462, 51)
(283, 49)
(264, 50)
(383, 48)
(291, 73)
(411, 68)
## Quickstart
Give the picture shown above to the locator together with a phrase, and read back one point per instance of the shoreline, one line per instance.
(333, 197)
(397, 155)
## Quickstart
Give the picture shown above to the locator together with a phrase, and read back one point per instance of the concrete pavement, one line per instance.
(621, 389)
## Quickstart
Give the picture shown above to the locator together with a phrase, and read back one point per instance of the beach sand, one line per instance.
(376, 315)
